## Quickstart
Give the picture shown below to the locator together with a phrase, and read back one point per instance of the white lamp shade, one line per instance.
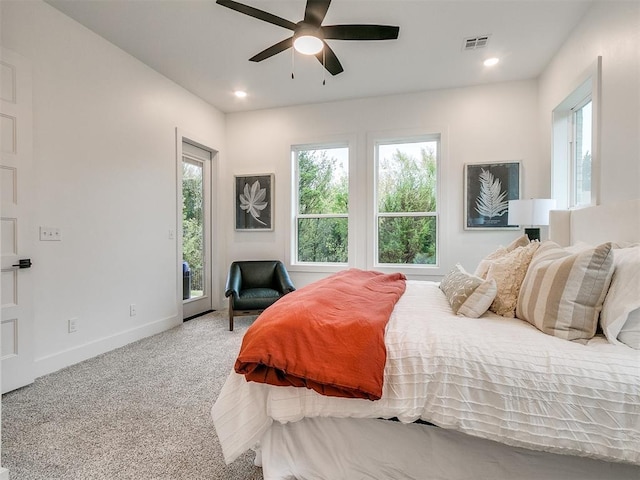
(533, 211)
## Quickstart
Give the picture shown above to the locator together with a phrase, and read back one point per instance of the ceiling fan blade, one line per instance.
(329, 59)
(360, 32)
(315, 11)
(273, 50)
(257, 13)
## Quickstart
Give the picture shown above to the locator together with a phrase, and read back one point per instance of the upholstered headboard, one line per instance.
(617, 222)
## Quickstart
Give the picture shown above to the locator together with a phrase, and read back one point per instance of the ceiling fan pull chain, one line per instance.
(324, 67)
(293, 63)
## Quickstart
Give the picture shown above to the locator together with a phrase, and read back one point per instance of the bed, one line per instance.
(466, 398)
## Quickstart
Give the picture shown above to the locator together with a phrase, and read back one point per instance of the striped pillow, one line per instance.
(562, 293)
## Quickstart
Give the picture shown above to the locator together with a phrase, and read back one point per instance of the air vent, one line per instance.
(474, 43)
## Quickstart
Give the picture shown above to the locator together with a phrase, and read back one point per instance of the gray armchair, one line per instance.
(254, 285)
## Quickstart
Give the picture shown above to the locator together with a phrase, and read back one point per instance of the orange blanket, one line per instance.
(327, 336)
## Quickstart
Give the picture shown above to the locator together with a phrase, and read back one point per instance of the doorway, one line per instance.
(195, 224)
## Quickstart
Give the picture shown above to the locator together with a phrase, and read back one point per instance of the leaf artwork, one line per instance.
(253, 200)
(491, 201)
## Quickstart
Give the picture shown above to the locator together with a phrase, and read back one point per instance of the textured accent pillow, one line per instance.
(467, 294)
(623, 296)
(562, 293)
(485, 263)
(508, 272)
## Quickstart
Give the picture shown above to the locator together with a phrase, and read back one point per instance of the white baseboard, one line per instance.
(54, 362)
(4, 474)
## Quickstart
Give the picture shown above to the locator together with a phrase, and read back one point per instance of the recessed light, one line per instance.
(490, 62)
(240, 93)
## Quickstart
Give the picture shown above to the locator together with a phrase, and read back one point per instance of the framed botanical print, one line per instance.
(253, 200)
(488, 187)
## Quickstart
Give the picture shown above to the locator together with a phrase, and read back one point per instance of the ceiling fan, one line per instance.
(309, 34)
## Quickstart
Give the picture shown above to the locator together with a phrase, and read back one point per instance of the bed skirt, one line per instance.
(347, 448)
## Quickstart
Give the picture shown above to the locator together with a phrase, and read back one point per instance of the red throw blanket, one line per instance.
(327, 336)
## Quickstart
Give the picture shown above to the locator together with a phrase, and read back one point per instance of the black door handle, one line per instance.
(23, 263)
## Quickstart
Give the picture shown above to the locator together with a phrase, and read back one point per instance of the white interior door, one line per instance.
(16, 334)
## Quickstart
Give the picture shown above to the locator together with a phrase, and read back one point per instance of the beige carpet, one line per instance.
(138, 412)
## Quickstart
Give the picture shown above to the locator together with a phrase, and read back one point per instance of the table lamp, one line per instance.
(533, 212)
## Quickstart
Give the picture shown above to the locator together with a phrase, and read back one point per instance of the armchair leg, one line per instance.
(231, 314)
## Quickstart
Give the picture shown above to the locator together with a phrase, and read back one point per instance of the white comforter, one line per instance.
(490, 377)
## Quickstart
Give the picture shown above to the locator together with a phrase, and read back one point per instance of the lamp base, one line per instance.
(533, 234)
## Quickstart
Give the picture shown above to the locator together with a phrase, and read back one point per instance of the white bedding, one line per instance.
(491, 377)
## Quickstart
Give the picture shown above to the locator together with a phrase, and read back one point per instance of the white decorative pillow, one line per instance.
(623, 296)
(508, 272)
(562, 293)
(485, 263)
(630, 333)
(467, 294)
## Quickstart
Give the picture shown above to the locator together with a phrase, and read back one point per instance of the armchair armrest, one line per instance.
(282, 279)
(234, 281)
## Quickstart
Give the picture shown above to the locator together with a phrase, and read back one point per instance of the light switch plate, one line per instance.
(50, 234)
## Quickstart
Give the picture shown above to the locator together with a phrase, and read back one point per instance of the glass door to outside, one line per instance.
(196, 240)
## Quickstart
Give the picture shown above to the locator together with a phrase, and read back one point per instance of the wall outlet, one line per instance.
(132, 310)
(72, 325)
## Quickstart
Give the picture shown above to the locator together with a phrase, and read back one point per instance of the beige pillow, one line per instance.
(485, 263)
(467, 294)
(623, 296)
(562, 293)
(508, 273)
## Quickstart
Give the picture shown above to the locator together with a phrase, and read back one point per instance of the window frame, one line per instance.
(294, 264)
(430, 269)
(563, 171)
(573, 173)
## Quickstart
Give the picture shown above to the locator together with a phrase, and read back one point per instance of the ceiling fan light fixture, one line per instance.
(309, 34)
(308, 44)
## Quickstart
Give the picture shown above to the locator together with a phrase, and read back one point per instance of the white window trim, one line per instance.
(573, 187)
(292, 256)
(562, 182)
(408, 136)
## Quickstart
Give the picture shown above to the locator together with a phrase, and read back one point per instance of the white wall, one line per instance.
(104, 157)
(481, 124)
(610, 29)
(486, 123)
(105, 173)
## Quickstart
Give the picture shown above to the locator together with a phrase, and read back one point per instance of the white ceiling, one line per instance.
(205, 47)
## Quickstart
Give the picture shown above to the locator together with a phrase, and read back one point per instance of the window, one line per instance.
(575, 166)
(406, 214)
(581, 153)
(321, 215)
